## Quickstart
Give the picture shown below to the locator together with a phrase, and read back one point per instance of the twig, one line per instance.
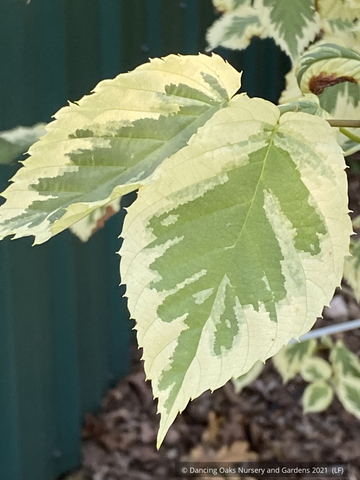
(330, 330)
(350, 135)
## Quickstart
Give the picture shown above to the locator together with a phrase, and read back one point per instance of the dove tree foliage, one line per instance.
(240, 230)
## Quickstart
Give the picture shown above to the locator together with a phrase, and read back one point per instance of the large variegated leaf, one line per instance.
(293, 24)
(111, 141)
(234, 248)
(317, 397)
(235, 30)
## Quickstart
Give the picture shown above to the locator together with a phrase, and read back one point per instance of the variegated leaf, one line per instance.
(314, 369)
(346, 367)
(326, 65)
(317, 397)
(352, 268)
(16, 141)
(342, 101)
(293, 24)
(111, 141)
(345, 363)
(235, 30)
(234, 248)
(338, 10)
(308, 103)
(289, 359)
(225, 6)
(292, 92)
(333, 73)
(248, 378)
(341, 32)
(348, 392)
(348, 38)
(326, 340)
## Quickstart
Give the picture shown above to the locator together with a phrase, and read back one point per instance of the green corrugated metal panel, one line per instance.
(64, 329)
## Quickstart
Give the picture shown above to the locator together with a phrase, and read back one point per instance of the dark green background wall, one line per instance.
(64, 329)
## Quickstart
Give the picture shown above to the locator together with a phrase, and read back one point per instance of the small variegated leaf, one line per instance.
(342, 101)
(246, 379)
(326, 65)
(234, 247)
(93, 222)
(338, 92)
(348, 392)
(293, 24)
(326, 341)
(346, 367)
(314, 369)
(356, 222)
(352, 268)
(289, 359)
(235, 30)
(345, 363)
(317, 397)
(111, 141)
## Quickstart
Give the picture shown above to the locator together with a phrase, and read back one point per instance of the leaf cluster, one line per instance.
(240, 231)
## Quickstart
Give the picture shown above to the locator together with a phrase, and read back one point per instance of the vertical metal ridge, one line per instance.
(67, 406)
(154, 23)
(65, 329)
(10, 455)
(110, 38)
(191, 27)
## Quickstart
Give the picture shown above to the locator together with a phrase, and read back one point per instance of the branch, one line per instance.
(346, 123)
(343, 123)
